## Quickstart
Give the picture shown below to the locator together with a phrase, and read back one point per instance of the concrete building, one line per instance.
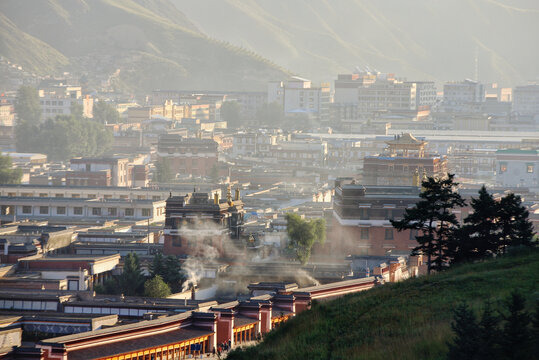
(200, 221)
(361, 219)
(526, 100)
(106, 172)
(467, 96)
(188, 156)
(298, 96)
(83, 210)
(517, 168)
(58, 100)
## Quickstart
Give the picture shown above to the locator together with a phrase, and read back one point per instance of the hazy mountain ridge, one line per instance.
(424, 39)
(152, 43)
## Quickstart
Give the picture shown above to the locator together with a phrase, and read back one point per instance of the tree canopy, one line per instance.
(231, 113)
(105, 113)
(304, 234)
(27, 106)
(271, 115)
(9, 175)
(163, 171)
(131, 281)
(156, 288)
(169, 269)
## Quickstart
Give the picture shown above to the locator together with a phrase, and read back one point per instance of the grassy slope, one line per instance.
(407, 320)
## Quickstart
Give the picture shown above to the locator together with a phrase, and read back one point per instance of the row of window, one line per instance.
(78, 210)
(388, 235)
(88, 196)
(530, 168)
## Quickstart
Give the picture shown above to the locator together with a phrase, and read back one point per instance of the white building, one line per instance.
(517, 168)
(58, 100)
(298, 96)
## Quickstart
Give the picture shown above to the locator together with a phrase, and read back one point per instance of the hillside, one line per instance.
(150, 42)
(408, 320)
(423, 39)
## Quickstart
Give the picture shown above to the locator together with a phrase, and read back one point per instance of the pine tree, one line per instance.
(157, 267)
(466, 343)
(516, 228)
(489, 335)
(131, 280)
(433, 217)
(535, 328)
(479, 236)
(173, 274)
(516, 341)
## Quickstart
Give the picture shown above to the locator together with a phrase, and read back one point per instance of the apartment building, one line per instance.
(188, 156)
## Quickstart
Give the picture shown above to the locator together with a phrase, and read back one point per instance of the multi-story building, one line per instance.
(298, 96)
(199, 223)
(7, 113)
(425, 93)
(191, 156)
(404, 157)
(361, 217)
(58, 100)
(78, 209)
(303, 153)
(346, 86)
(467, 95)
(387, 94)
(517, 168)
(106, 172)
(526, 100)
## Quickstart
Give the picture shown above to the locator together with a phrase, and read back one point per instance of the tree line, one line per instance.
(512, 333)
(490, 228)
(166, 277)
(62, 137)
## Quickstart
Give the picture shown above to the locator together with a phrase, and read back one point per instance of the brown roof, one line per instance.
(97, 352)
(405, 139)
(240, 320)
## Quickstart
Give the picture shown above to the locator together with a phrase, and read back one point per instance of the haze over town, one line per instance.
(181, 178)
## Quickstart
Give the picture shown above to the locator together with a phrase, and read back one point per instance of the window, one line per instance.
(388, 214)
(77, 210)
(146, 212)
(413, 234)
(96, 211)
(112, 211)
(503, 167)
(43, 194)
(389, 234)
(129, 212)
(59, 195)
(364, 233)
(92, 196)
(26, 209)
(156, 197)
(75, 196)
(61, 210)
(44, 210)
(107, 196)
(529, 168)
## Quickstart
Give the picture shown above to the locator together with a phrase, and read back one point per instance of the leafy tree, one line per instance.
(77, 110)
(466, 343)
(64, 137)
(517, 339)
(231, 113)
(304, 234)
(156, 288)
(163, 171)
(516, 228)
(9, 175)
(271, 115)
(110, 286)
(27, 106)
(131, 281)
(433, 218)
(479, 236)
(105, 113)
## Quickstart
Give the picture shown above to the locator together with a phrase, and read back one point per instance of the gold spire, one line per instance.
(415, 179)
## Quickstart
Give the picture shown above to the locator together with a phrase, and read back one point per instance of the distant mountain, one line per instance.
(150, 42)
(420, 39)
